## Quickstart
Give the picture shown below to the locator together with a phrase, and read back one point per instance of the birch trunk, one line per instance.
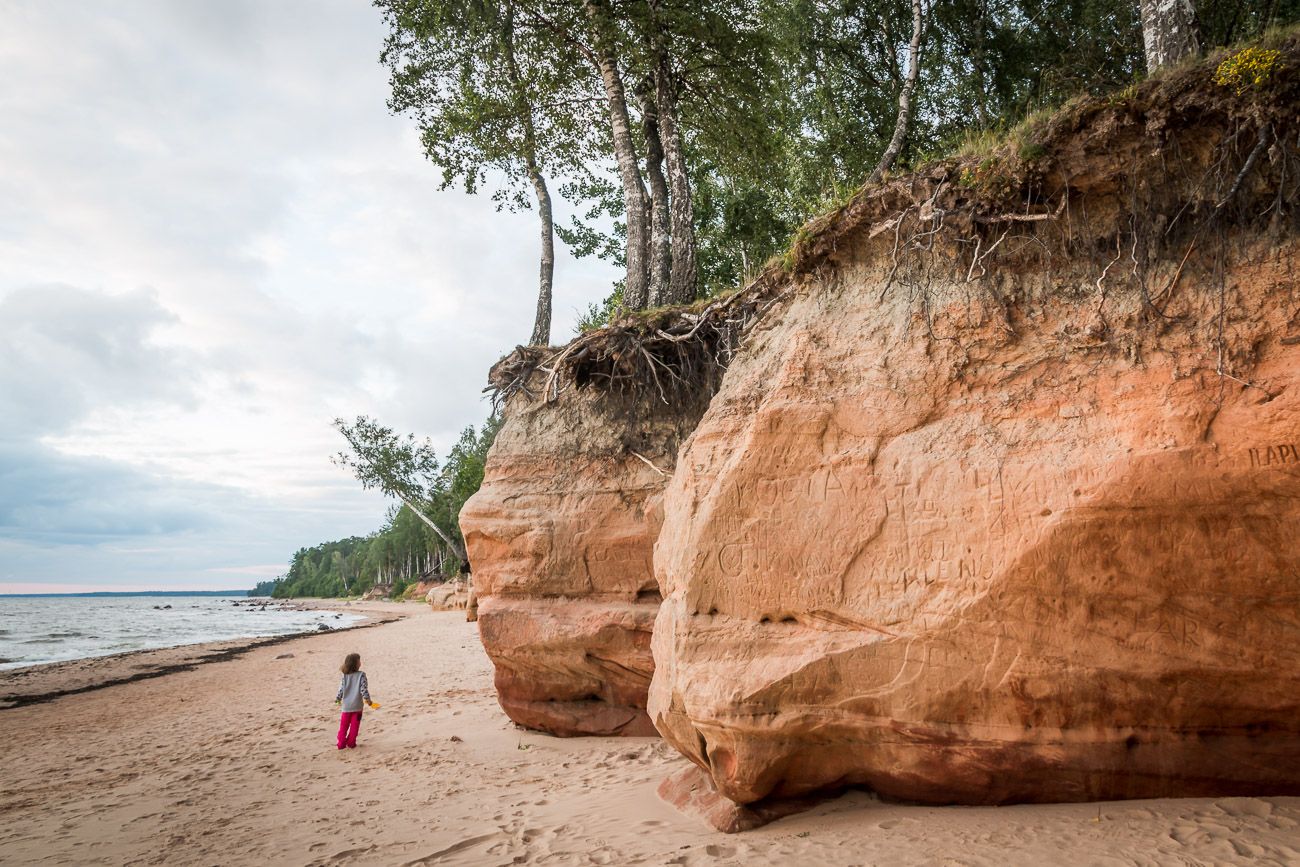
(895, 146)
(456, 547)
(683, 276)
(635, 290)
(546, 271)
(542, 321)
(660, 239)
(1168, 31)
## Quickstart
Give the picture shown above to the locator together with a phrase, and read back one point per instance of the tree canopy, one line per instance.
(768, 109)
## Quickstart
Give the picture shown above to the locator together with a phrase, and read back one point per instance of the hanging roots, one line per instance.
(672, 355)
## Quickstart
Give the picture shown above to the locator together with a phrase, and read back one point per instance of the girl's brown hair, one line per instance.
(351, 663)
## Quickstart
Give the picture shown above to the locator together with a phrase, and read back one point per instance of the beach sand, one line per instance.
(233, 762)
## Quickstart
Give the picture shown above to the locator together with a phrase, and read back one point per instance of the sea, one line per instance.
(40, 629)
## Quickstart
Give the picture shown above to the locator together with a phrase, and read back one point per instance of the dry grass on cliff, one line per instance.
(1125, 192)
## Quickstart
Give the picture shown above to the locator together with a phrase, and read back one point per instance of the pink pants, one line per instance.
(349, 725)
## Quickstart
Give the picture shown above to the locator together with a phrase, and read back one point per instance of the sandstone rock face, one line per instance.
(692, 792)
(561, 537)
(377, 592)
(960, 559)
(449, 596)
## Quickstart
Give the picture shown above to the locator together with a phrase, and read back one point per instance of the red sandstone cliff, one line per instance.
(1000, 500)
(561, 536)
(1019, 526)
(983, 569)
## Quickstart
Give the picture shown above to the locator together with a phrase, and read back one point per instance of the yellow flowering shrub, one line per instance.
(1247, 69)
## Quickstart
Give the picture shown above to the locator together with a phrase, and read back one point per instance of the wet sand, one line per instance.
(234, 763)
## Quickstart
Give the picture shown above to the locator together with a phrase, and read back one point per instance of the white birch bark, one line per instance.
(456, 547)
(660, 266)
(895, 146)
(683, 276)
(635, 291)
(1168, 31)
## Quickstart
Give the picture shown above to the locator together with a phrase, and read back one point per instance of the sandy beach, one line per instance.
(233, 762)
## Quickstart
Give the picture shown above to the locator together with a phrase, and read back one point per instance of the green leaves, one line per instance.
(491, 91)
(401, 467)
(407, 469)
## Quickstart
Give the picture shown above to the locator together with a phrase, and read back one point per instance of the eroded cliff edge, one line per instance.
(1004, 505)
(561, 537)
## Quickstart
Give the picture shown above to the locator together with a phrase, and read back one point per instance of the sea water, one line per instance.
(39, 629)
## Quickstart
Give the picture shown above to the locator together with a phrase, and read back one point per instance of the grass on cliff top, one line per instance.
(989, 163)
(1025, 138)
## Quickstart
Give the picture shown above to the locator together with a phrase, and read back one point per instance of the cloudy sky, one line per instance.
(214, 239)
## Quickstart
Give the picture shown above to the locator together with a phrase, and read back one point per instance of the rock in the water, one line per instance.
(322, 627)
(953, 560)
(561, 536)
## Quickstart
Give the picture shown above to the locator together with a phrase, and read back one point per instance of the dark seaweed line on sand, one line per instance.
(14, 700)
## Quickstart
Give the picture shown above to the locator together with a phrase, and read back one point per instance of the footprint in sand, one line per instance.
(1189, 835)
(890, 824)
(1243, 807)
(1247, 850)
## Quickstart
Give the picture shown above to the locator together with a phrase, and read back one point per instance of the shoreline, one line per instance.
(237, 764)
(47, 681)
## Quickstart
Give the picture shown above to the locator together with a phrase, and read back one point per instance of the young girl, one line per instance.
(353, 691)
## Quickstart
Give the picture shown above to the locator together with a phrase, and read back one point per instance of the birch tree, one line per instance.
(604, 40)
(905, 94)
(401, 467)
(661, 252)
(683, 275)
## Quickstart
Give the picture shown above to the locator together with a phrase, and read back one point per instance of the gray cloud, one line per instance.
(64, 350)
(52, 499)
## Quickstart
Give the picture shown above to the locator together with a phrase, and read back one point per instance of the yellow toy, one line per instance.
(374, 705)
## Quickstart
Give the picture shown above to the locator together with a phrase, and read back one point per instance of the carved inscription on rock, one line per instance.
(1279, 455)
